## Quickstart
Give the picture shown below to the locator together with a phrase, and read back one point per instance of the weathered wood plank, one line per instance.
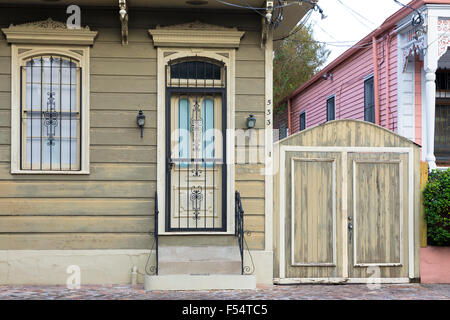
(77, 189)
(58, 224)
(121, 154)
(5, 65)
(68, 241)
(249, 172)
(121, 101)
(250, 189)
(250, 103)
(5, 82)
(253, 206)
(254, 86)
(250, 69)
(5, 153)
(75, 207)
(250, 53)
(5, 118)
(118, 119)
(128, 66)
(5, 136)
(253, 223)
(116, 50)
(98, 172)
(249, 155)
(123, 137)
(126, 84)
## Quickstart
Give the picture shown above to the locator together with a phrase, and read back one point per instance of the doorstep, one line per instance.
(200, 282)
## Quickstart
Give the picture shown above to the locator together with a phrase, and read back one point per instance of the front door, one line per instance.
(196, 172)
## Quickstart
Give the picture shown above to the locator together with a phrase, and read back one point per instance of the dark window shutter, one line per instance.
(369, 101)
(331, 109)
(302, 121)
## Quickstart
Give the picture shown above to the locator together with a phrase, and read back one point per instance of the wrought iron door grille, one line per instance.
(196, 172)
(50, 114)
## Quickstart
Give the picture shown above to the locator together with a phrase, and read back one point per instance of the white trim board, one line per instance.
(344, 151)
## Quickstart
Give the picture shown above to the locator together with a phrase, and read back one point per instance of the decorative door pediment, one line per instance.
(196, 34)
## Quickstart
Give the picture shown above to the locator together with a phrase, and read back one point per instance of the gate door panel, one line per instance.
(312, 226)
(378, 215)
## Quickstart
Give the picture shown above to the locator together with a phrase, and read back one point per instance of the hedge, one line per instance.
(437, 207)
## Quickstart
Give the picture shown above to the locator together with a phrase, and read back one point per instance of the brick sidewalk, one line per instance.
(297, 292)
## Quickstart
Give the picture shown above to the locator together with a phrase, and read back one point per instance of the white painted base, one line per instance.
(340, 280)
(200, 282)
(49, 267)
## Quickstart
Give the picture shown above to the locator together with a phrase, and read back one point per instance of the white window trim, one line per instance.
(79, 53)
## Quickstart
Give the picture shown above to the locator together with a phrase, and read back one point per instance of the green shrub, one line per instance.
(437, 207)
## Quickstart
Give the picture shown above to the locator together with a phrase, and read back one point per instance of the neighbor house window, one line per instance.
(369, 101)
(283, 131)
(302, 121)
(330, 109)
(50, 114)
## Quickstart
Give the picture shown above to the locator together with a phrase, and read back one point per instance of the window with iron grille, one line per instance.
(331, 109)
(302, 120)
(369, 101)
(50, 114)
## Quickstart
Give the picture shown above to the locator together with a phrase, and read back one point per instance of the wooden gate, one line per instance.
(347, 208)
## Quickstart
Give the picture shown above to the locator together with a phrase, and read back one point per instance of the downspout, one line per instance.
(388, 88)
(376, 90)
(289, 116)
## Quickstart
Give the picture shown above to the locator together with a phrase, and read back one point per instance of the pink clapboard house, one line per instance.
(398, 77)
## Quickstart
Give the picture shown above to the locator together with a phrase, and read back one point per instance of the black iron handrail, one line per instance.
(240, 234)
(153, 270)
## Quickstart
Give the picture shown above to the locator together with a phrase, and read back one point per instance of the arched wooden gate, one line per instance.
(347, 207)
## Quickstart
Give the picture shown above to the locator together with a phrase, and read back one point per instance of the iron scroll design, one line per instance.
(240, 233)
(152, 270)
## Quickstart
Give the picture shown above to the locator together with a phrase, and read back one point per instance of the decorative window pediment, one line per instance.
(196, 34)
(48, 32)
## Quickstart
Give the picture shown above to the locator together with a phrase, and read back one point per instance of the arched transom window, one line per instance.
(200, 72)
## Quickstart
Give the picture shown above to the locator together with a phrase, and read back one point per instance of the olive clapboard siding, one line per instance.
(112, 207)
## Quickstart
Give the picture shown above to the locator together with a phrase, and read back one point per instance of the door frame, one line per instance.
(178, 90)
(227, 57)
(282, 214)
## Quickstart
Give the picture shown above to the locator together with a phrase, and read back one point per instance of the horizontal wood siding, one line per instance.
(112, 207)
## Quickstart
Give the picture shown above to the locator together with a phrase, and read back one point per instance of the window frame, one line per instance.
(300, 121)
(366, 115)
(20, 53)
(332, 97)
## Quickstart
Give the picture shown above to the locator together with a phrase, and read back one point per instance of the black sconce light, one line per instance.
(140, 119)
(251, 121)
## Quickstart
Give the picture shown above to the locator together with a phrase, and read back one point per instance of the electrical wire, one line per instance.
(355, 14)
(299, 27)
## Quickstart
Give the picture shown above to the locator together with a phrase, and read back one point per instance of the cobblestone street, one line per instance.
(297, 292)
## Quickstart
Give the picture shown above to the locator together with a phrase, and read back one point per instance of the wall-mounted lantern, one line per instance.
(140, 119)
(251, 121)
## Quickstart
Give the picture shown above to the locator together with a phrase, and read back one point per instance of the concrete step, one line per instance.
(200, 282)
(199, 260)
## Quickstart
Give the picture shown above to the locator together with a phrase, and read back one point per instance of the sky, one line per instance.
(342, 24)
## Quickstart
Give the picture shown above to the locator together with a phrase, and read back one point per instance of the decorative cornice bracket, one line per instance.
(123, 16)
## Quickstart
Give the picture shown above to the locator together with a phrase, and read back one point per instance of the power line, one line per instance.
(357, 15)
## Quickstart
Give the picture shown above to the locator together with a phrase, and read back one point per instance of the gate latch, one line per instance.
(350, 227)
